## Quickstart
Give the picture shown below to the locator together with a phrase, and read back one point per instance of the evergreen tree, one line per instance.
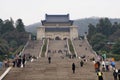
(7, 26)
(1, 25)
(98, 41)
(115, 27)
(104, 27)
(115, 36)
(4, 48)
(20, 26)
(91, 30)
(116, 48)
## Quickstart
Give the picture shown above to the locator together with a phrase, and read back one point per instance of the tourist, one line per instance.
(14, 62)
(81, 63)
(115, 74)
(119, 74)
(96, 66)
(49, 59)
(73, 67)
(107, 65)
(103, 63)
(103, 66)
(19, 62)
(23, 60)
(113, 64)
(6, 63)
(100, 75)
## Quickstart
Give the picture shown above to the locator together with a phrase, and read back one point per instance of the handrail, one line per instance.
(47, 48)
(24, 48)
(5, 73)
(90, 46)
(68, 47)
(41, 48)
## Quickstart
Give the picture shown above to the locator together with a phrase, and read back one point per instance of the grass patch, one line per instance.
(44, 48)
(71, 46)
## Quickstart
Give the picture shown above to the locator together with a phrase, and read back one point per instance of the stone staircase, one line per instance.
(59, 69)
(82, 48)
(57, 48)
(33, 48)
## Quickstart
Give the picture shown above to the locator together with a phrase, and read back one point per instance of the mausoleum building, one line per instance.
(57, 27)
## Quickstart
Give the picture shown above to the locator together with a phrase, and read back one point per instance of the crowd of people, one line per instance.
(106, 65)
(17, 60)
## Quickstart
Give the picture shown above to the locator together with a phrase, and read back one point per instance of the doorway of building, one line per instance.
(64, 38)
(57, 38)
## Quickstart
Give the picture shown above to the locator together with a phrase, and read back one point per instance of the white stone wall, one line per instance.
(73, 32)
(42, 34)
(61, 35)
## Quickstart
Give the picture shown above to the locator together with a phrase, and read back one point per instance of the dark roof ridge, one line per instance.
(56, 14)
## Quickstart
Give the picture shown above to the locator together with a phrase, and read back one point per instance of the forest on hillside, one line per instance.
(104, 37)
(12, 37)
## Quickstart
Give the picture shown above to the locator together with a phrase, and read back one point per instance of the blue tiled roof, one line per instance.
(57, 29)
(57, 18)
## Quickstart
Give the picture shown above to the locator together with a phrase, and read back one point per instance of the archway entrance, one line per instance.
(57, 38)
(64, 38)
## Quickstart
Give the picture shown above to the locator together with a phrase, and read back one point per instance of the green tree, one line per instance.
(13, 44)
(20, 37)
(116, 48)
(115, 36)
(115, 27)
(11, 38)
(104, 27)
(20, 26)
(4, 48)
(7, 26)
(1, 25)
(91, 31)
(98, 41)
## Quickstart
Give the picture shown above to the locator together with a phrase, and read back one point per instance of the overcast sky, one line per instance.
(32, 11)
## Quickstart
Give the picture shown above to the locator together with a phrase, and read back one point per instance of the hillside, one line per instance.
(33, 27)
(81, 23)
